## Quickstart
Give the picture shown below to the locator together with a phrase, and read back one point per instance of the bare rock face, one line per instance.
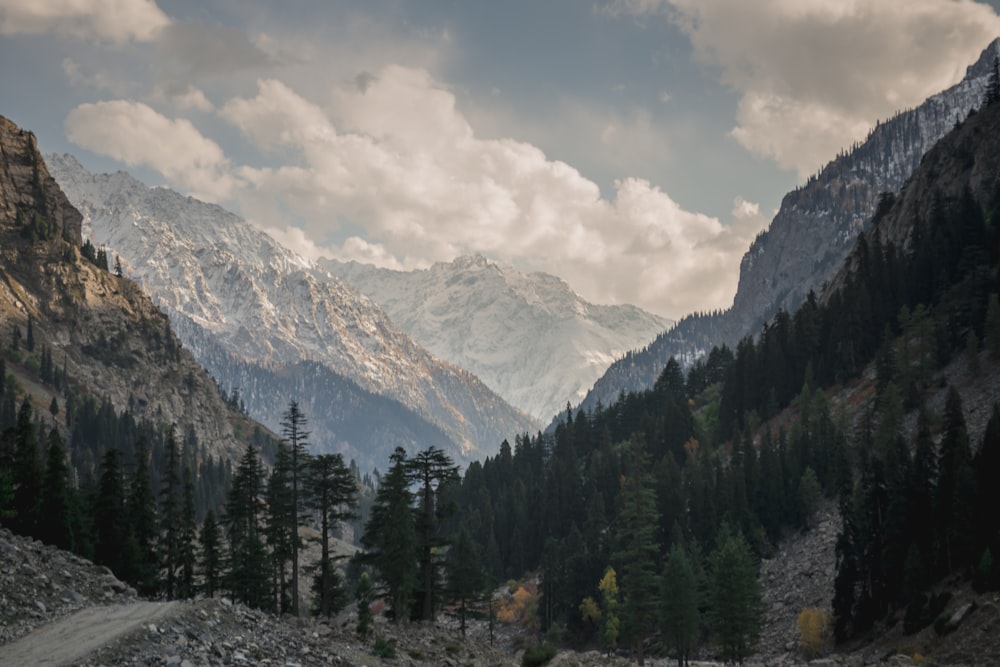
(27, 188)
(811, 235)
(111, 339)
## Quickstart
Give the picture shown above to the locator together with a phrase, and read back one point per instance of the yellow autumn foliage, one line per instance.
(815, 629)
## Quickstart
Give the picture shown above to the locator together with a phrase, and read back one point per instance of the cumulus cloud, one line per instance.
(393, 173)
(815, 76)
(114, 21)
(138, 135)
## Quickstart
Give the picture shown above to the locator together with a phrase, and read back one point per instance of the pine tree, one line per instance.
(390, 538)
(143, 520)
(679, 621)
(211, 554)
(170, 515)
(26, 472)
(637, 549)
(247, 575)
(57, 529)
(281, 526)
(465, 574)
(187, 554)
(332, 491)
(363, 595)
(109, 513)
(735, 608)
(431, 469)
(954, 502)
(987, 467)
(293, 424)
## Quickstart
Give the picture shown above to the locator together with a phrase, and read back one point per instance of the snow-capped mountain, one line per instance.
(811, 235)
(528, 336)
(236, 296)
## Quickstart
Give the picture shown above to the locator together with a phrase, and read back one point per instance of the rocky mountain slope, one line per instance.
(811, 234)
(238, 297)
(109, 337)
(528, 336)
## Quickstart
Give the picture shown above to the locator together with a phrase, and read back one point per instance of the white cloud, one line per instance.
(115, 21)
(815, 76)
(136, 134)
(393, 156)
(185, 98)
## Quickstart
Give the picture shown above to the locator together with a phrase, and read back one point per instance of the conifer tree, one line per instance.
(363, 597)
(637, 549)
(465, 574)
(26, 472)
(734, 597)
(109, 513)
(170, 515)
(281, 527)
(143, 521)
(431, 469)
(390, 538)
(57, 528)
(955, 489)
(211, 554)
(247, 576)
(187, 554)
(293, 424)
(333, 492)
(987, 467)
(679, 621)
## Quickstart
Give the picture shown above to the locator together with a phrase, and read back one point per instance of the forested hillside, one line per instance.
(681, 475)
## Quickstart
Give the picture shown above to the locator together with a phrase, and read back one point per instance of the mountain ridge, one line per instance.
(810, 236)
(264, 303)
(527, 335)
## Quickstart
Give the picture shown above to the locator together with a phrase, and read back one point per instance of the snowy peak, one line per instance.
(527, 335)
(233, 290)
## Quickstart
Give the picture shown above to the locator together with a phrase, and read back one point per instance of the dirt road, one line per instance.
(74, 637)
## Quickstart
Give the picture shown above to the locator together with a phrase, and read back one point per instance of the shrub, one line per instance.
(384, 648)
(537, 655)
(815, 629)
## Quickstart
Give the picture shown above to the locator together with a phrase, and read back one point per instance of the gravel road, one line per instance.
(73, 637)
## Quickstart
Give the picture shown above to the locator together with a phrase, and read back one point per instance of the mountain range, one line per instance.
(808, 239)
(528, 336)
(265, 323)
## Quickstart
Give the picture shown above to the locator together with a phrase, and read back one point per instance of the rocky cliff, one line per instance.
(810, 236)
(111, 339)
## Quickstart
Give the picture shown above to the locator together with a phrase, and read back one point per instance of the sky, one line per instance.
(634, 148)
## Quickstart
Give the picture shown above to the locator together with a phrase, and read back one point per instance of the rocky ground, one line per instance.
(39, 584)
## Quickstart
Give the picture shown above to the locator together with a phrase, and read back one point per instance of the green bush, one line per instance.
(384, 648)
(540, 654)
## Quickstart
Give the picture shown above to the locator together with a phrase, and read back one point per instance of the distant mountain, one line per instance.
(807, 241)
(254, 312)
(104, 335)
(528, 336)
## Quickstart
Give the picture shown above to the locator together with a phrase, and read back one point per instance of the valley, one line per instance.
(215, 449)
